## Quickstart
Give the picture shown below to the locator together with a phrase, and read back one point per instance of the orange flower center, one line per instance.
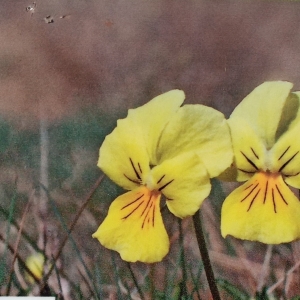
(144, 208)
(264, 187)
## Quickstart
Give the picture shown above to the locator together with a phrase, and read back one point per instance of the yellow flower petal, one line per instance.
(134, 227)
(296, 106)
(127, 152)
(263, 108)
(201, 129)
(153, 117)
(184, 182)
(285, 156)
(290, 114)
(262, 209)
(249, 150)
(123, 155)
(35, 263)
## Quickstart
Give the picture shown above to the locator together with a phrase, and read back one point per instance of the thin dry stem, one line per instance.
(283, 278)
(12, 250)
(16, 247)
(83, 206)
(265, 269)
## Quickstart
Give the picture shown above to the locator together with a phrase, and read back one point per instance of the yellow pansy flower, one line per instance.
(35, 263)
(160, 149)
(265, 130)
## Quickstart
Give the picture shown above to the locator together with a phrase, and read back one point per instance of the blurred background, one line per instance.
(68, 71)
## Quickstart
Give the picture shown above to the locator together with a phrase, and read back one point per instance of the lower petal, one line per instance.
(263, 209)
(134, 227)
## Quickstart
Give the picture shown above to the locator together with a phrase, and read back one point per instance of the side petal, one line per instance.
(263, 108)
(123, 155)
(127, 152)
(262, 209)
(249, 150)
(134, 227)
(200, 129)
(153, 117)
(184, 182)
(285, 156)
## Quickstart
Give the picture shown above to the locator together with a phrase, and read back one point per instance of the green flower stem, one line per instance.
(183, 288)
(205, 257)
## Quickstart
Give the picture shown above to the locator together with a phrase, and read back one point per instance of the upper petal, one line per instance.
(153, 117)
(185, 183)
(200, 129)
(262, 209)
(263, 108)
(134, 227)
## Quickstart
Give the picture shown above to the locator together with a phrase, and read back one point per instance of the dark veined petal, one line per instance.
(127, 153)
(249, 149)
(123, 155)
(134, 227)
(262, 209)
(285, 156)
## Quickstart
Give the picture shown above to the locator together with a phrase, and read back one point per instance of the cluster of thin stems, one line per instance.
(198, 231)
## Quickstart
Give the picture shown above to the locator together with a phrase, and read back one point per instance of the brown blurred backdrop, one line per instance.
(118, 54)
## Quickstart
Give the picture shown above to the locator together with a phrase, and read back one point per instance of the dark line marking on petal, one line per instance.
(132, 211)
(161, 178)
(153, 216)
(248, 172)
(281, 195)
(248, 186)
(284, 152)
(135, 170)
(273, 198)
(266, 191)
(132, 180)
(254, 153)
(249, 193)
(140, 168)
(147, 215)
(148, 202)
(288, 175)
(286, 163)
(253, 200)
(169, 199)
(249, 161)
(161, 188)
(137, 199)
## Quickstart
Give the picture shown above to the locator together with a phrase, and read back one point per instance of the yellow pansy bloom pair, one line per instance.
(165, 150)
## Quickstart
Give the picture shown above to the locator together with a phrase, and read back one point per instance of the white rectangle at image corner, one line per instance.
(26, 298)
